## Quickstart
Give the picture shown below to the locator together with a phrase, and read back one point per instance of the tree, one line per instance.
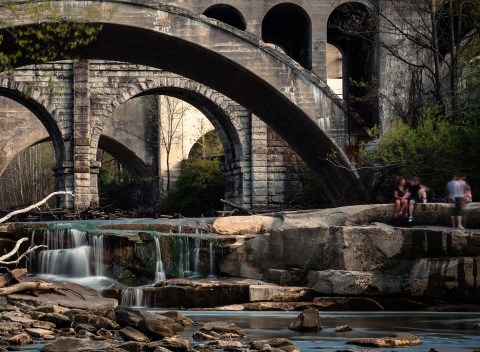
(427, 44)
(56, 39)
(172, 112)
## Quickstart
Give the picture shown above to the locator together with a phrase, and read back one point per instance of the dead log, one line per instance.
(5, 257)
(28, 286)
(36, 205)
(237, 207)
(12, 277)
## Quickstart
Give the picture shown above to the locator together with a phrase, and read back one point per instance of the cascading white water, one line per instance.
(69, 254)
(196, 256)
(98, 250)
(133, 297)
(212, 259)
(159, 271)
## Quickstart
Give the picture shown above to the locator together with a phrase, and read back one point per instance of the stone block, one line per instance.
(272, 293)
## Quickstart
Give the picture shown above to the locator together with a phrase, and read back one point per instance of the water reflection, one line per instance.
(446, 332)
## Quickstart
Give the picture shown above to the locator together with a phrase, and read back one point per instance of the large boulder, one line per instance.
(178, 318)
(153, 325)
(245, 225)
(308, 320)
(359, 283)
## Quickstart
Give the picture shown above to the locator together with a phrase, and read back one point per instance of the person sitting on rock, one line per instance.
(401, 196)
(418, 193)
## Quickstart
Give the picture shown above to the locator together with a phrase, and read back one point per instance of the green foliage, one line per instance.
(55, 36)
(115, 184)
(433, 150)
(209, 146)
(198, 189)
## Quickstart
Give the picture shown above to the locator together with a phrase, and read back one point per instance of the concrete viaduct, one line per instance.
(267, 107)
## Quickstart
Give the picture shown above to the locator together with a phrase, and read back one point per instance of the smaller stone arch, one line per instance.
(351, 28)
(141, 173)
(289, 26)
(227, 14)
(39, 108)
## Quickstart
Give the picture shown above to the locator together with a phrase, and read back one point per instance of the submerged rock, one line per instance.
(308, 320)
(71, 344)
(396, 340)
(343, 328)
(222, 328)
(280, 343)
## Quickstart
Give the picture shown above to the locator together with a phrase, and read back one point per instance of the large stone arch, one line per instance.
(226, 116)
(290, 99)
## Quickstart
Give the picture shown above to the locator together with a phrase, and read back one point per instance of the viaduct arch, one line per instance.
(233, 63)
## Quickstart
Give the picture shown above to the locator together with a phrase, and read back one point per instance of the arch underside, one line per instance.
(249, 79)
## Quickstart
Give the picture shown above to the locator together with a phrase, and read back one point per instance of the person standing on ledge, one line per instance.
(457, 194)
(418, 193)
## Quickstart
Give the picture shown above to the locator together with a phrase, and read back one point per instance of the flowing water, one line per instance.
(73, 255)
(445, 332)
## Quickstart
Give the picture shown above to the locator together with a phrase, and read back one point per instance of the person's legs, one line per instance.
(453, 221)
(403, 207)
(422, 195)
(398, 205)
(412, 203)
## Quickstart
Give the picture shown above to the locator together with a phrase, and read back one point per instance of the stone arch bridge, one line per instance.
(256, 97)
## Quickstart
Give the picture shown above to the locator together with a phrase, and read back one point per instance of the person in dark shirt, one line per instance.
(401, 196)
(418, 194)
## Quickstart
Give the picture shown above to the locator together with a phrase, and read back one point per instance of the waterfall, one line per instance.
(133, 297)
(196, 256)
(212, 259)
(159, 271)
(98, 255)
(69, 254)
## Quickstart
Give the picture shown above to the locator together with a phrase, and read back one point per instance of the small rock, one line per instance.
(85, 334)
(260, 345)
(17, 317)
(179, 318)
(106, 334)
(7, 326)
(60, 320)
(343, 328)
(95, 320)
(161, 349)
(308, 320)
(201, 336)
(21, 339)
(222, 327)
(175, 343)
(70, 344)
(396, 340)
(43, 325)
(42, 333)
(476, 326)
(130, 334)
(226, 345)
(133, 346)
(85, 327)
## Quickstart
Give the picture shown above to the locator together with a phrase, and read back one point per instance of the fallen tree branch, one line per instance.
(12, 276)
(30, 250)
(36, 205)
(237, 207)
(28, 286)
(14, 250)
